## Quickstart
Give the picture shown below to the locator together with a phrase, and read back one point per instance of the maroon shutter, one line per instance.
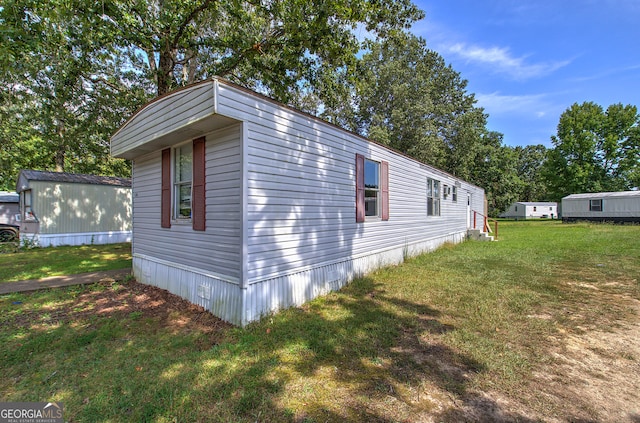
(384, 188)
(165, 199)
(359, 188)
(198, 203)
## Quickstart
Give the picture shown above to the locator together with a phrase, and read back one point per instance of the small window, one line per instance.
(371, 188)
(445, 191)
(182, 178)
(535, 208)
(28, 215)
(595, 205)
(550, 208)
(454, 193)
(516, 208)
(433, 197)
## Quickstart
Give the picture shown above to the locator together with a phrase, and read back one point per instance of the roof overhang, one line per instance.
(186, 113)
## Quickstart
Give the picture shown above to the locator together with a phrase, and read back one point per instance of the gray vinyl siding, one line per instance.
(158, 120)
(216, 250)
(301, 192)
(613, 206)
(66, 208)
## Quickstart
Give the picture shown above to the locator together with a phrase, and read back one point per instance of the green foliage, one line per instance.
(594, 150)
(408, 98)
(531, 161)
(496, 171)
(73, 71)
(65, 91)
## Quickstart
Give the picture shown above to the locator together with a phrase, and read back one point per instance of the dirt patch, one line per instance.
(595, 376)
(111, 299)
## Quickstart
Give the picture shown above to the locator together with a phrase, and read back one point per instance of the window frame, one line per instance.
(176, 185)
(377, 190)
(382, 197)
(433, 197)
(454, 193)
(599, 207)
(27, 214)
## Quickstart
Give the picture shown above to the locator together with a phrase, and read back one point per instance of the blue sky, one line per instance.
(528, 61)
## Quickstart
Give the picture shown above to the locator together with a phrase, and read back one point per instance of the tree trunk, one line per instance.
(165, 68)
(60, 152)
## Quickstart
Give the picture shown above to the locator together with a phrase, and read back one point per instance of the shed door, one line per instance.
(468, 211)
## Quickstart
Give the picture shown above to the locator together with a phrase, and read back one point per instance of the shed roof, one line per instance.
(538, 203)
(9, 197)
(619, 194)
(74, 178)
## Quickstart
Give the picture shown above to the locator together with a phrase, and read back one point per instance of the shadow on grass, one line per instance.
(357, 355)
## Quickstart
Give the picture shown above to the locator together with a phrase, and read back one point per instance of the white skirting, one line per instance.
(85, 238)
(230, 302)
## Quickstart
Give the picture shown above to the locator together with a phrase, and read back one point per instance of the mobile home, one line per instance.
(618, 207)
(9, 207)
(266, 207)
(531, 210)
(73, 209)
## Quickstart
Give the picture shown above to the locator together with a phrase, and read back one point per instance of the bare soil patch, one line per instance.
(132, 298)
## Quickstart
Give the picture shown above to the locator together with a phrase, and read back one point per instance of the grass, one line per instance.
(391, 346)
(38, 263)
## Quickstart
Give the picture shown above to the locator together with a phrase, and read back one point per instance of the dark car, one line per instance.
(9, 232)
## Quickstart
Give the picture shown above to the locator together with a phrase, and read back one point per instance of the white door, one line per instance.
(468, 211)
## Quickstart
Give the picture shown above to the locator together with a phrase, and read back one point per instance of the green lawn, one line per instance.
(393, 346)
(38, 263)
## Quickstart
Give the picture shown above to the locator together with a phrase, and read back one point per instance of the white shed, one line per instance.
(58, 208)
(619, 207)
(246, 206)
(531, 210)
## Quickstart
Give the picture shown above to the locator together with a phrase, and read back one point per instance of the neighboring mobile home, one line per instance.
(9, 207)
(72, 209)
(246, 206)
(531, 210)
(619, 207)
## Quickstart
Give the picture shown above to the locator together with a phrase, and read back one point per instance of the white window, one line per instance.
(595, 205)
(371, 188)
(182, 178)
(28, 215)
(433, 197)
(454, 195)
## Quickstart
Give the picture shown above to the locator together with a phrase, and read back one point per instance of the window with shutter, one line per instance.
(372, 189)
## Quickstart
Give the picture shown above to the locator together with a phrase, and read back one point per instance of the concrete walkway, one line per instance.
(58, 281)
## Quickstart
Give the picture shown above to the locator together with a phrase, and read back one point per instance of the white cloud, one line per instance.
(500, 60)
(608, 73)
(534, 105)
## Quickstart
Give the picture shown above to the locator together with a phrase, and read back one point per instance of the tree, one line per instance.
(594, 150)
(410, 99)
(74, 70)
(61, 100)
(496, 171)
(531, 161)
(273, 45)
